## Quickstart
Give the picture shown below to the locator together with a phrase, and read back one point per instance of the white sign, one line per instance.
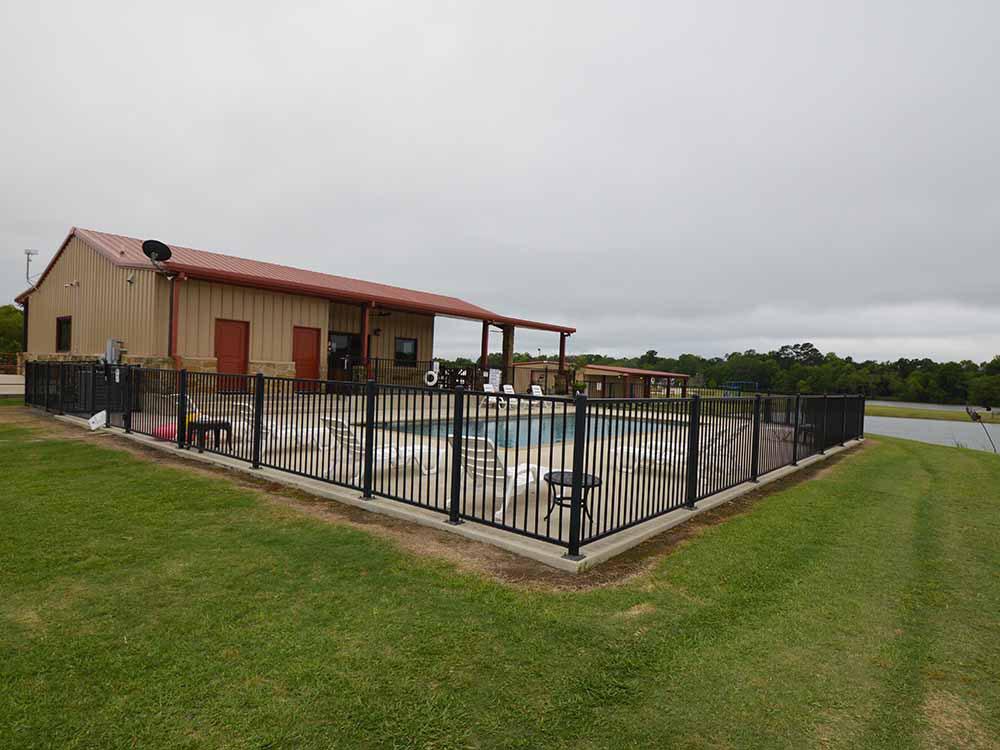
(97, 420)
(495, 378)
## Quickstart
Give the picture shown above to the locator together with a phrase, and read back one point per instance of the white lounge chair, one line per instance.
(420, 455)
(657, 456)
(481, 460)
(276, 435)
(508, 390)
(491, 397)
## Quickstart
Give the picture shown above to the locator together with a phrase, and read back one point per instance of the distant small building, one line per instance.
(212, 312)
(600, 381)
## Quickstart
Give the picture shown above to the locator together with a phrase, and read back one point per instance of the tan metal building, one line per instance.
(212, 312)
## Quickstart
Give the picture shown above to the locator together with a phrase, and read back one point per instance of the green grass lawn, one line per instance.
(11, 400)
(145, 606)
(909, 412)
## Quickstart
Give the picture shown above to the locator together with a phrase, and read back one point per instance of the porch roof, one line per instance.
(637, 371)
(127, 252)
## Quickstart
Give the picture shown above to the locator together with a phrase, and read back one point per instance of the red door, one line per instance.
(232, 352)
(305, 352)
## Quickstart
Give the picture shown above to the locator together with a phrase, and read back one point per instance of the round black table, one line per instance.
(563, 480)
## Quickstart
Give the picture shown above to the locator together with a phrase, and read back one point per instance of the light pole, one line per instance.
(28, 255)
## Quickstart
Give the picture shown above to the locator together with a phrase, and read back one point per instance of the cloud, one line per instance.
(679, 177)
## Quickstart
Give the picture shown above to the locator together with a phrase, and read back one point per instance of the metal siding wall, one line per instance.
(271, 315)
(103, 306)
(345, 318)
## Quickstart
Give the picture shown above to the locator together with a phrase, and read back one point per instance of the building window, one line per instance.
(406, 352)
(64, 334)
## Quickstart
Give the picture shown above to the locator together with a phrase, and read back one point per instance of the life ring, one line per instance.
(430, 378)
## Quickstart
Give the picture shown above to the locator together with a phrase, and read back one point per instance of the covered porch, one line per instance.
(394, 344)
(600, 381)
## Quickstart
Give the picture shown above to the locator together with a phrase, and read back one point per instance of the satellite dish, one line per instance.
(156, 251)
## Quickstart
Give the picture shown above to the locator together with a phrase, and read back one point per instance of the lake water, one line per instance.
(937, 432)
(914, 405)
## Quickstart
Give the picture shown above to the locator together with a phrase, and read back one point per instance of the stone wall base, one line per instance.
(199, 364)
(57, 357)
(191, 364)
(273, 369)
(156, 363)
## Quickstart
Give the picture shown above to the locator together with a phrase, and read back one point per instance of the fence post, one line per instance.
(692, 457)
(822, 442)
(755, 444)
(843, 419)
(182, 389)
(127, 405)
(861, 418)
(257, 435)
(457, 432)
(369, 467)
(108, 369)
(93, 390)
(61, 380)
(576, 499)
(795, 433)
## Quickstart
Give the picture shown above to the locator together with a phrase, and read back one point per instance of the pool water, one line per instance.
(532, 430)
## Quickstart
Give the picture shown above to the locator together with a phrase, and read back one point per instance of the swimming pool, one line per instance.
(533, 430)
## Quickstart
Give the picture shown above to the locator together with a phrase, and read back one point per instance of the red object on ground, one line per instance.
(166, 432)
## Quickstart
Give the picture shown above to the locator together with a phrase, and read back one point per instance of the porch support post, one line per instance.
(366, 309)
(484, 356)
(508, 351)
(562, 351)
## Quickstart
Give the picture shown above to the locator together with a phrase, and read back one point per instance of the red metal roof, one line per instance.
(200, 264)
(638, 371)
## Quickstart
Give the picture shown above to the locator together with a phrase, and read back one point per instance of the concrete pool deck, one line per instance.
(546, 553)
(11, 385)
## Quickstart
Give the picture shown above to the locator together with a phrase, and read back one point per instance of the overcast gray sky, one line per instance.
(682, 176)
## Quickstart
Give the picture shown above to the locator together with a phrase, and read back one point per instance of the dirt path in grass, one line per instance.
(466, 554)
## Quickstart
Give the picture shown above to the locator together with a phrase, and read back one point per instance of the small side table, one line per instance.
(563, 480)
(218, 427)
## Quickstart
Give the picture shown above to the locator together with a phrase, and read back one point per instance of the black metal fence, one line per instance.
(565, 471)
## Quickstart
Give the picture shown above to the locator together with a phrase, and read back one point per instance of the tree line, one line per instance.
(793, 368)
(11, 329)
(802, 368)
